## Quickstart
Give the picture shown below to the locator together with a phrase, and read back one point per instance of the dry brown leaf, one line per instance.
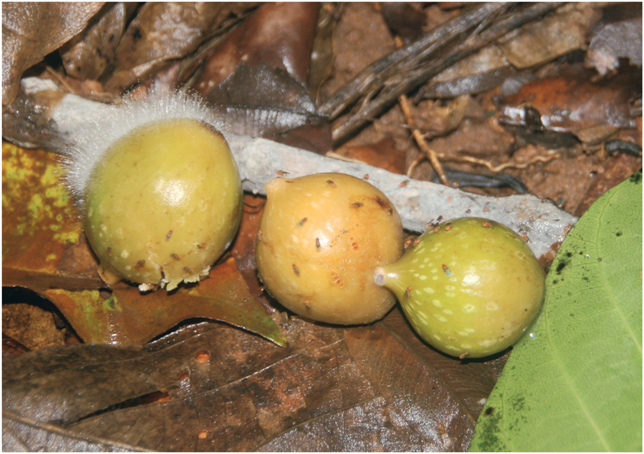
(92, 52)
(333, 389)
(162, 32)
(277, 35)
(31, 30)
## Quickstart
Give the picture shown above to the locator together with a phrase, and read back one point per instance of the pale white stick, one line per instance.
(418, 202)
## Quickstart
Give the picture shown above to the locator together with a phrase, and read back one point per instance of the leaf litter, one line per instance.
(277, 409)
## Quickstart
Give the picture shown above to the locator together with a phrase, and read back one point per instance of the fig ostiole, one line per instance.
(159, 189)
(469, 287)
(319, 241)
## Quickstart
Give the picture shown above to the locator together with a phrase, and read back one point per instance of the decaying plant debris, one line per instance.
(405, 96)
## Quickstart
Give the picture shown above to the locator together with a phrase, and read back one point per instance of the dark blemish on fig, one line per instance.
(136, 34)
(560, 267)
(331, 183)
(357, 205)
(390, 212)
(381, 202)
(585, 278)
(175, 256)
(109, 252)
(139, 264)
(301, 223)
(168, 235)
(555, 282)
(568, 254)
(599, 259)
(407, 292)
(296, 270)
(317, 243)
(447, 270)
(618, 234)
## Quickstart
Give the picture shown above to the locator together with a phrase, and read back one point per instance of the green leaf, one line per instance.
(575, 382)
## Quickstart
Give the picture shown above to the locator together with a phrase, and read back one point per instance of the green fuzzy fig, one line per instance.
(470, 287)
(163, 204)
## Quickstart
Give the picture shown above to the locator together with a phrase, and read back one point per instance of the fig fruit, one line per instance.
(319, 241)
(470, 287)
(163, 204)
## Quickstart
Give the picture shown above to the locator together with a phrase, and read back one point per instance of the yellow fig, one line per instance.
(319, 241)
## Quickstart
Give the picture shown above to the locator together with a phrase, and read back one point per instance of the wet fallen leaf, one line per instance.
(259, 101)
(161, 32)
(44, 250)
(127, 317)
(322, 54)
(31, 30)
(92, 52)
(40, 222)
(591, 111)
(337, 389)
(32, 326)
(276, 35)
(575, 382)
(556, 35)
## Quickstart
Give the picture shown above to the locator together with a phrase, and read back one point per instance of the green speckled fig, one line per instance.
(319, 241)
(470, 287)
(163, 205)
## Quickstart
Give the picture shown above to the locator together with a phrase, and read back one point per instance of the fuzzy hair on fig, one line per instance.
(88, 144)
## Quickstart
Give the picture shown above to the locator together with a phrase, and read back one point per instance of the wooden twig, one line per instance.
(425, 149)
(500, 167)
(374, 76)
(396, 76)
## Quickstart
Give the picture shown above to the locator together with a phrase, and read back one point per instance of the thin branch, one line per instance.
(400, 78)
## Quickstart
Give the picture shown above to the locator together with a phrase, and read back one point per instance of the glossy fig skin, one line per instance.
(470, 287)
(163, 204)
(319, 241)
